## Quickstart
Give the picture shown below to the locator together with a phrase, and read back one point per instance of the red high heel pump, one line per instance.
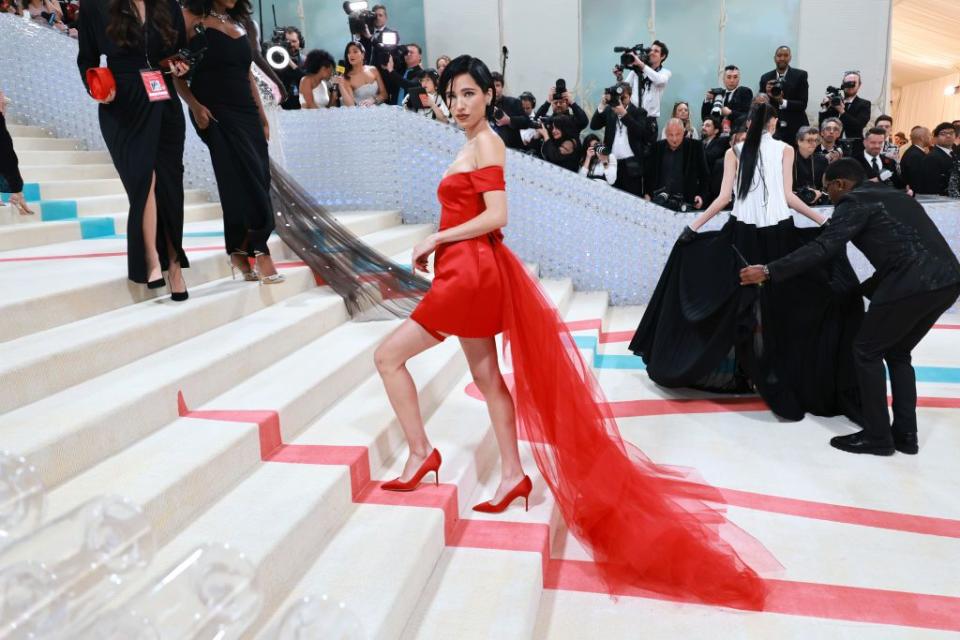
(432, 463)
(522, 490)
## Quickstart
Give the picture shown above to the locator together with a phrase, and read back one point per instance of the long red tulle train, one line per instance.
(647, 525)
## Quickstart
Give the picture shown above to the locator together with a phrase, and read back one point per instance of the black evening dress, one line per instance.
(235, 137)
(10, 179)
(144, 138)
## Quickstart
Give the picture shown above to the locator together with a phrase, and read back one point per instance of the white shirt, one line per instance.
(652, 95)
(621, 143)
(609, 173)
(946, 150)
(427, 112)
(869, 158)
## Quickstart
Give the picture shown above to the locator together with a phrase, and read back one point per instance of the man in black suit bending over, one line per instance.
(936, 166)
(733, 103)
(917, 278)
(788, 89)
(853, 111)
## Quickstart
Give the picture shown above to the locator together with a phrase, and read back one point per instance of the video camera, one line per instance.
(360, 19)
(278, 52)
(674, 202)
(836, 94)
(718, 96)
(626, 59)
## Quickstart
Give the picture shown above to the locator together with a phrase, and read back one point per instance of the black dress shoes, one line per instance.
(861, 443)
(906, 442)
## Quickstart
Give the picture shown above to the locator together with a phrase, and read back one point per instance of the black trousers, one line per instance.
(630, 176)
(10, 179)
(888, 334)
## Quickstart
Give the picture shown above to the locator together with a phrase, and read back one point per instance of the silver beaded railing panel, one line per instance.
(38, 72)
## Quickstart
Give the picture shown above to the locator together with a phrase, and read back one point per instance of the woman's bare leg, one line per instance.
(154, 269)
(391, 357)
(482, 357)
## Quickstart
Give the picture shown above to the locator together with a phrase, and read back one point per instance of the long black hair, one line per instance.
(475, 68)
(346, 50)
(123, 23)
(241, 10)
(760, 114)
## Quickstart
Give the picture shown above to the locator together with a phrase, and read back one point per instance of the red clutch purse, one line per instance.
(100, 82)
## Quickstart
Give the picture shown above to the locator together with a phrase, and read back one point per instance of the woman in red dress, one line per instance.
(646, 525)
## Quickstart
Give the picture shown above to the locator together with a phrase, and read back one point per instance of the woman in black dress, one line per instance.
(145, 137)
(228, 115)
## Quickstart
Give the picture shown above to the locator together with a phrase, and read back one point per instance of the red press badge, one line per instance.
(155, 85)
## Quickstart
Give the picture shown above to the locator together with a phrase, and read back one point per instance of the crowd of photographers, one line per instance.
(56, 14)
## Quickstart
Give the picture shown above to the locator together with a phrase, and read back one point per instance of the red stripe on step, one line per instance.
(267, 421)
(583, 325)
(634, 408)
(109, 254)
(946, 326)
(503, 536)
(443, 497)
(356, 458)
(616, 336)
(807, 599)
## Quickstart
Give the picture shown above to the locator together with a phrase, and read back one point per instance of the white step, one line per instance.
(43, 158)
(72, 430)
(74, 189)
(26, 131)
(46, 144)
(40, 173)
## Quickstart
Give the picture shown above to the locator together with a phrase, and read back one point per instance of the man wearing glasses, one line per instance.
(852, 110)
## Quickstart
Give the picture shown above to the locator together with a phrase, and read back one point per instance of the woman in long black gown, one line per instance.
(145, 138)
(10, 179)
(228, 115)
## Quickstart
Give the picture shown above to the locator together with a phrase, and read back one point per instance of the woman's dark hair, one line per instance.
(124, 28)
(760, 115)
(475, 68)
(433, 75)
(317, 59)
(241, 10)
(586, 145)
(348, 67)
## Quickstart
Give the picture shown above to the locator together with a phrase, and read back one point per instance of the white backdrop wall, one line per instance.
(923, 103)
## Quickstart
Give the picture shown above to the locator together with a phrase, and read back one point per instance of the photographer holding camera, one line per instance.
(292, 40)
(676, 174)
(403, 77)
(788, 90)
(831, 146)
(637, 62)
(508, 116)
(715, 145)
(808, 168)
(560, 103)
(425, 100)
(731, 102)
(843, 102)
(625, 134)
(597, 163)
(529, 136)
(561, 144)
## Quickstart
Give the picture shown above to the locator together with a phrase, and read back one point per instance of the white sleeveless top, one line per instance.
(766, 203)
(321, 95)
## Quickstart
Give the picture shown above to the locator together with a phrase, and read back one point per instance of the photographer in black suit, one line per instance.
(853, 111)
(809, 167)
(911, 164)
(508, 116)
(916, 279)
(626, 135)
(788, 90)
(377, 37)
(936, 166)
(676, 173)
(733, 103)
(560, 103)
(715, 145)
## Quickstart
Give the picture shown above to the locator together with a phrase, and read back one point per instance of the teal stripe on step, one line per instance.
(58, 210)
(31, 192)
(617, 361)
(96, 228)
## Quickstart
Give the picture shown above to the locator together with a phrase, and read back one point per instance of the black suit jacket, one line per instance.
(886, 164)
(739, 103)
(696, 181)
(854, 118)
(893, 231)
(638, 134)
(510, 134)
(713, 153)
(910, 168)
(935, 172)
(580, 118)
(796, 91)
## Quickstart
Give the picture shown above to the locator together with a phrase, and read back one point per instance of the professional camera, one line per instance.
(810, 198)
(836, 94)
(560, 89)
(278, 51)
(613, 93)
(627, 60)
(497, 113)
(546, 121)
(718, 95)
(776, 89)
(674, 202)
(601, 150)
(361, 20)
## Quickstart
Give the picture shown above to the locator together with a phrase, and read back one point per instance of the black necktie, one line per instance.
(876, 166)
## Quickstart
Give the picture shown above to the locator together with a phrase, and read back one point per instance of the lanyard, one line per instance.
(146, 31)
